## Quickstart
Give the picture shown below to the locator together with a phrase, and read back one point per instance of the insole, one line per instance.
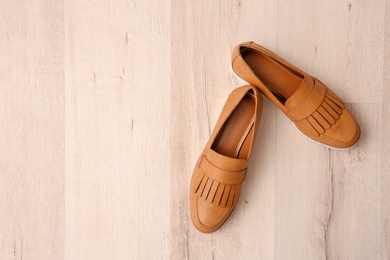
(234, 139)
(281, 80)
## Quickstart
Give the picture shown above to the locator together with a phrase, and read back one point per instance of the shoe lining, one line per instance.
(235, 137)
(282, 81)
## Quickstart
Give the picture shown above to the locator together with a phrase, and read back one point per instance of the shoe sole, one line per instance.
(327, 146)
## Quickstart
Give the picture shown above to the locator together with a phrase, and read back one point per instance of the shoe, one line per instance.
(221, 168)
(314, 109)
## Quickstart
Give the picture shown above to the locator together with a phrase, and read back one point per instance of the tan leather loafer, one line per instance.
(221, 168)
(315, 110)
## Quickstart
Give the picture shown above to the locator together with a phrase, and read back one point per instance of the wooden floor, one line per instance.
(105, 107)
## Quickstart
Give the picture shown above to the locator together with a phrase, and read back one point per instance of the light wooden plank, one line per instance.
(190, 117)
(355, 223)
(386, 56)
(31, 130)
(384, 181)
(304, 178)
(340, 42)
(330, 41)
(201, 82)
(249, 233)
(384, 220)
(303, 194)
(117, 130)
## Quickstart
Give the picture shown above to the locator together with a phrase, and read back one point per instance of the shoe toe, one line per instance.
(345, 132)
(206, 216)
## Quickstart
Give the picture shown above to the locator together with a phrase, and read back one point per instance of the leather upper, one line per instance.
(217, 179)
(315, 110)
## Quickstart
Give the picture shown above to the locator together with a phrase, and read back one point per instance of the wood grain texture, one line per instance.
(384, 215)
(105, 107)
(31, 130)
(331, 198)
(117, 130)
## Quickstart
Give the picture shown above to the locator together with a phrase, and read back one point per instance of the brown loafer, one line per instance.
(315, 110)
(221, 168)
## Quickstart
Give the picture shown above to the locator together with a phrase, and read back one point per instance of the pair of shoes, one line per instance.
(315, 110)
